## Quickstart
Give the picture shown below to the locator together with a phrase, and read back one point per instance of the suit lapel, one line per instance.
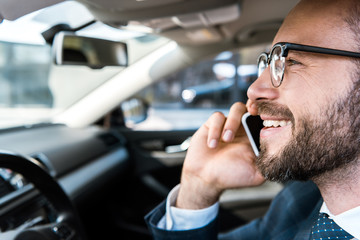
(305, 228)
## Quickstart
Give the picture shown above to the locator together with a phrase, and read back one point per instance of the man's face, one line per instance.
(311, 116)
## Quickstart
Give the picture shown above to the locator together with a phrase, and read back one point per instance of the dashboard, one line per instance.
(81, 161)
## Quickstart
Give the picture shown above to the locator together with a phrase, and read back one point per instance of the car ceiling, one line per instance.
(197, 21)
(188, 22)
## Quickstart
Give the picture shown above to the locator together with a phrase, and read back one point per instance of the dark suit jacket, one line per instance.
(290, 216)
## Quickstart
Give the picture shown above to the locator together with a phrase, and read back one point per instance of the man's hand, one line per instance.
(219, 157)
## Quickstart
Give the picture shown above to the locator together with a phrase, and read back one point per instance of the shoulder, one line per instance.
(288, 214)
(296, 192)
(297, 197)
(293, 207)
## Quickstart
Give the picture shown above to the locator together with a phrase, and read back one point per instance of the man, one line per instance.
(308, 96)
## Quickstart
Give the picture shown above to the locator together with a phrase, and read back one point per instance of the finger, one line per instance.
(251, 107)
(215, 126)
(233, 121)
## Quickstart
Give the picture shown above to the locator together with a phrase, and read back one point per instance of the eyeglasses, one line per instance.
(276, 58)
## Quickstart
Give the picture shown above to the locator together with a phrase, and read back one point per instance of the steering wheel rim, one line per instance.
(34, 173)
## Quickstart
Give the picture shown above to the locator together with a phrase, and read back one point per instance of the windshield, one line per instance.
(32, 88)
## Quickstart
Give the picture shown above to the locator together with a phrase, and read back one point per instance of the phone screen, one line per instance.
(253, 126)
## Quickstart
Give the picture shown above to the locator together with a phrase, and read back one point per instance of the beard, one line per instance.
(318, 146)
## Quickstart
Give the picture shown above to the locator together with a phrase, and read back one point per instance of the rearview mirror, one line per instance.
(72, 49)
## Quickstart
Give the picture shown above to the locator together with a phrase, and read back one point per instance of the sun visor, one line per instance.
(13, 9)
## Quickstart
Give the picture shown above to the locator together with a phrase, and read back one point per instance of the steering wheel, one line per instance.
(67, 225)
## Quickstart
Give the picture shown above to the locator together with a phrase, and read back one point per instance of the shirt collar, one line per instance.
(349, 220)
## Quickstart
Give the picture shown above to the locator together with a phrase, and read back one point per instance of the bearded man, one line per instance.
(307, 94)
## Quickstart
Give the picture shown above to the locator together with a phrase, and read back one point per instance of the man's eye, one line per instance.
(291, 62)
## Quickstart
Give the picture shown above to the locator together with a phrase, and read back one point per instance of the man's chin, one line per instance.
(270, 150)
(278, 168)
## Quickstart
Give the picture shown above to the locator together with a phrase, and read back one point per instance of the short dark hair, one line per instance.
(352, 19)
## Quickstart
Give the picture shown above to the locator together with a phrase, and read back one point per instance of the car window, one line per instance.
(185, 99)
(23, 68)
(32, 89)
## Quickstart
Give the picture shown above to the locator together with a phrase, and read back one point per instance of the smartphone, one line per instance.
(253, 126)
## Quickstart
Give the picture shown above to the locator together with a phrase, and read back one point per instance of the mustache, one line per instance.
(275, 109)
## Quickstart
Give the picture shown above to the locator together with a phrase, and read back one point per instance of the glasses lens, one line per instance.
(262, 63)
(277, 66)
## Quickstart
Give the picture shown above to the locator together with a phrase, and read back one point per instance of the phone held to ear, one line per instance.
(253, 126)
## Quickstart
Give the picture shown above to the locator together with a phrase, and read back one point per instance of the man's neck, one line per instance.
(340, 189)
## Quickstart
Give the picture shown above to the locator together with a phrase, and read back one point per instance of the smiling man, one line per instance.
(308, 95)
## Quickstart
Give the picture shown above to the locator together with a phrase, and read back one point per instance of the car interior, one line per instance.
(85, 150)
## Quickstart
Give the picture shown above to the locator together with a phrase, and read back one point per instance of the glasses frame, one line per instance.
(286, 47)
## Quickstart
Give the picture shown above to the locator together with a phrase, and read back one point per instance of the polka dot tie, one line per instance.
(325, 228)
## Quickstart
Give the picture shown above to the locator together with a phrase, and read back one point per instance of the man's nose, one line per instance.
(262, 89)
